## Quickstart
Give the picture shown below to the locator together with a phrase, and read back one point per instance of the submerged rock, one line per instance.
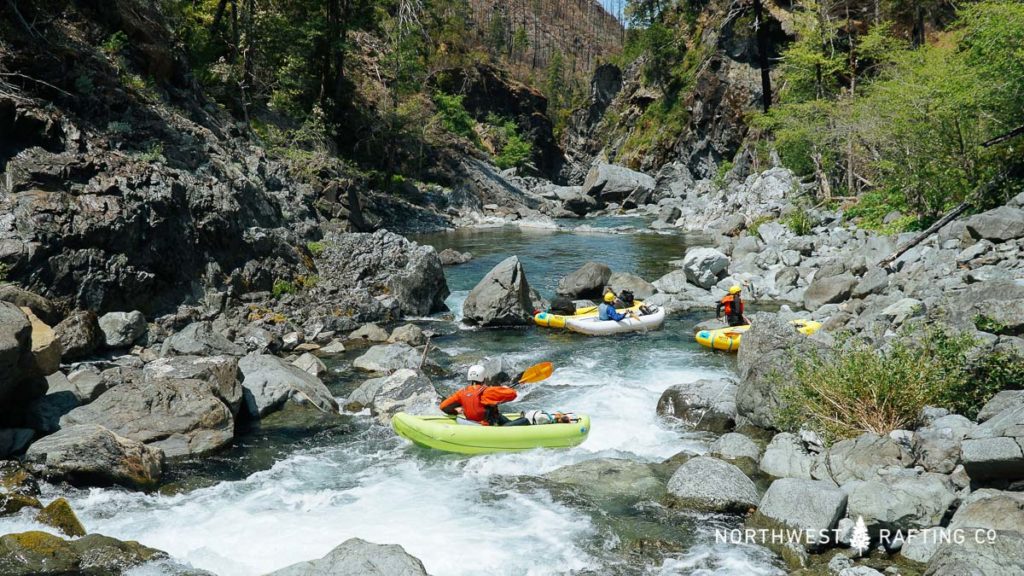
(451, 257)
(603, 479)
(502, 298)
(60, 515)
(42, 554)
(357, 557)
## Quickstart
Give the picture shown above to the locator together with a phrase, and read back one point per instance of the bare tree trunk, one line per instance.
(762, 49)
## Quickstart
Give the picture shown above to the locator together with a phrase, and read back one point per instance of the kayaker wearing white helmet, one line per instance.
(479, 401)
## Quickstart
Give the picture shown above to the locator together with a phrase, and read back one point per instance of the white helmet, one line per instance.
(476, 373)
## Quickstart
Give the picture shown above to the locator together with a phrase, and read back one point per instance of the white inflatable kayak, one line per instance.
(593, 327)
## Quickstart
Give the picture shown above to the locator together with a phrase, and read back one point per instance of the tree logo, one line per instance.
(860, 540)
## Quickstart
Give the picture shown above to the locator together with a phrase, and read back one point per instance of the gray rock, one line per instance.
(990, 510)
(79, 334)
(733, 446)
(404, 391)
(998, 225)
(362, 396)
(586, 282)
(773, 233)
(39, 306)
(45, 348)
(704, 405)
(710, 484)
(386, 358)
(921, 546)
(704, 267)
(864, 457)
(220, 373)
(745, 245)
(1003, 557)
(902, 310)
(897, 502)
(181, 417)
(641, 289)
(122, 329)
(993, 449)
(797, 503)
(502, 298)
(369, 332)
(308, 362)
(611, 183)
(44, 413)
(91, 455)
(411, 334)
(89, 384)
(829, 290)
(269, 383)
(765, 364)
(874, 281)
(333, 348)
(356, 557)
(936, 446)
(786, 457)
(14, 440)
(1003, 400)
(859, 571)
(200, 339)
(451, 257)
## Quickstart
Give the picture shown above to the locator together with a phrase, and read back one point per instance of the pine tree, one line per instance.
(860, 540)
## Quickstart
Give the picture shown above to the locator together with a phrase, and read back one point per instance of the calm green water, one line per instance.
(280, 497)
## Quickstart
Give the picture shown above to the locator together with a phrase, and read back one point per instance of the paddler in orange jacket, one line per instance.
(479, 402)
(733, 305)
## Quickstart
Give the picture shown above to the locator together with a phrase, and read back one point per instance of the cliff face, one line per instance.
(697, 116)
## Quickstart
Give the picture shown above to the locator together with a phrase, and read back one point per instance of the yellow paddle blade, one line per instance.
(537, 373)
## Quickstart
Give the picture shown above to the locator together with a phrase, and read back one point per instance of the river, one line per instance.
(277, 499)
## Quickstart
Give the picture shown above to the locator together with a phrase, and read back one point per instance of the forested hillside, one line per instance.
(889, 106)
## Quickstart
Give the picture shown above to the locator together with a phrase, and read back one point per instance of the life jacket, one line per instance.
(479, 403)
(729, 303)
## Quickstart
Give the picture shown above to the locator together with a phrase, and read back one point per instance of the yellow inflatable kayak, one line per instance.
(549, 320)
(444, 433)
(728, 339)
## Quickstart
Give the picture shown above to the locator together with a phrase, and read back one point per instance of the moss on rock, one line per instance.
(60, 515)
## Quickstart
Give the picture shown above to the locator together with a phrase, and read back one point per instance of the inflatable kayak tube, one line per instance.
(444, 433)
(549, 320)
(592, 326)
(728, 339)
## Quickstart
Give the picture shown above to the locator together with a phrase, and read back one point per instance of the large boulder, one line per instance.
(709, 484)
(619, 478)
(735, 446)
(79, 334)
(765, 364)
(980, 557)
(181, 417)
(641, 289)
(46, 349)
(786, 457)
(610, 183)
(378, 276)
(998, 225)
(386, 358)
(122, 329)
(704, 405)
(704, 267)
(502, 298)
(219, 372)
(43, 554)
(91, 455)
(990, 510)
(865, 457)
(404, 391)
(995, 449)
(20, 382)
(586, 282)
(829, 290)
(39, 306)
(269, 383)
(1001, 401)
(200, 339)
(936, 446)
(357, 557)
(900, 502)
(814, 506)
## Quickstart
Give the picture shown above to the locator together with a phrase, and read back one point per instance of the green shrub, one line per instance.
(854, 388)
(117, 42)
(799, 221)
(282, 287)
(4, 270)
(514, 150)
(453, 115)
(315, 248)
(723, 170)
(153, 153)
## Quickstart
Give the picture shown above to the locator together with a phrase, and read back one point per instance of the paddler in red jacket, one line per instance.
(479, 402)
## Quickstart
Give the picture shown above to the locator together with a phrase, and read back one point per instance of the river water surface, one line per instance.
(274, 500)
